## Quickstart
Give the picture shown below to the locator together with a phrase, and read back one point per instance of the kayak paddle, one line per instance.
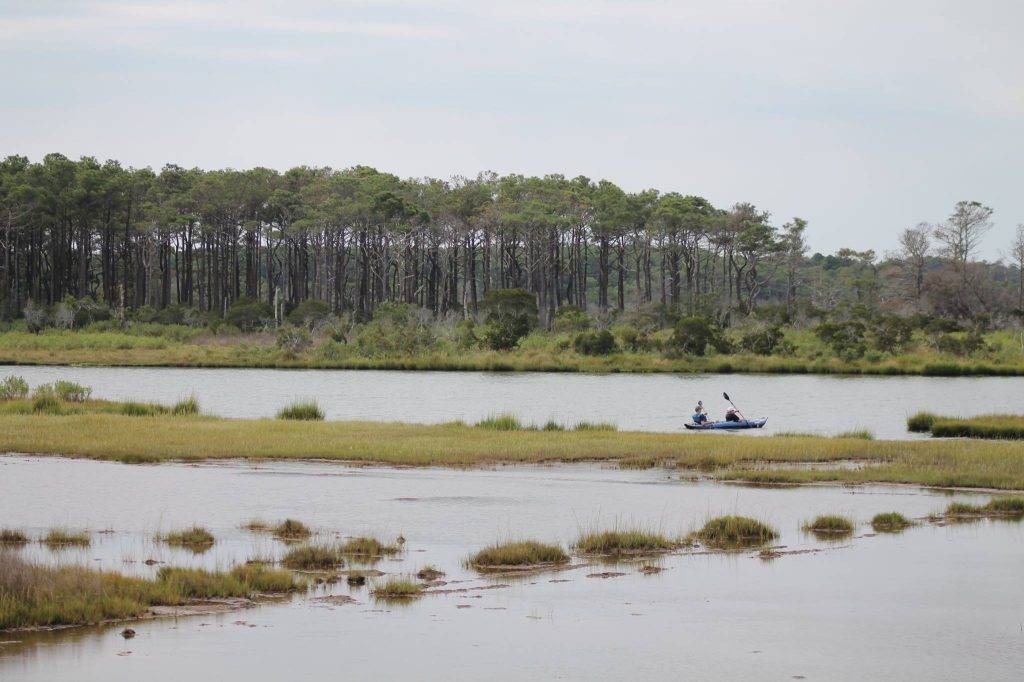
(726, 396)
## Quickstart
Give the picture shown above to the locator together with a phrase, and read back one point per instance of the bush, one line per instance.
(397, 329)
(633, 339)
(846, 339)
(69, 391)
(248, 314)
(309, 313)
(600, 342)
(763, 341)
(960, 344)
(511, 314)
(570, 318)
(36, 317)
(891, 333)
(13, 388)
(692, 335)
(304, 411)
(293, 340)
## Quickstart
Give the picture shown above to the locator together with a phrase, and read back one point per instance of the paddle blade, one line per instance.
(726, 396)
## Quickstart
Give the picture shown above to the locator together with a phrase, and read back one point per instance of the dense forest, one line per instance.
(200, 242)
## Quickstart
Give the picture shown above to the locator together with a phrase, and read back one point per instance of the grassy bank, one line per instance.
(990, 426)
(114, 348)
(118, 437)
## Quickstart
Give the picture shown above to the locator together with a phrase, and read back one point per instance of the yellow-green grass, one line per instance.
(623, 541)
(305, 410)
(63, 537)
(367, 547)
(980, 464)
(195, 538)
(398, 589)
(517, 553)
(889, 522)
(990, 426)
(12, 536)
(997, 506)
(728, 532)
(291, 530)
(830, 524)
(921, 422)
(43, 596)
(313, 558)
(129, 349)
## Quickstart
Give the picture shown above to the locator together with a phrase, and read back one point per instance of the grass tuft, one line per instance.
(307, 410)
(859, 434)
(628, 541)
(291, 530)
(501, 422)
(595, 426)
(830, 524)
(62, 537)
(367, 547)
(398, 589)
(186, 407)
(727, 532)
(313, 558)
(256, 526)
(921, 422)
(10, 536)
(194, 538)
(519, 553)
(889, 522)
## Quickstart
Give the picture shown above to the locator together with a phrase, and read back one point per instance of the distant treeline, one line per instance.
(355, 238)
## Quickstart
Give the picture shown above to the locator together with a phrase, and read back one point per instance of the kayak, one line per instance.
(730, 426)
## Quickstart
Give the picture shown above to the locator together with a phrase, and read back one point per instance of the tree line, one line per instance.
(356, 238)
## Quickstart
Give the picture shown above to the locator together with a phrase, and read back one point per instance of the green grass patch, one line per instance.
(627, 541)
(313, 558)
(502, 422)
(398, 589)
(830, 524)
(367, 547)
(595, 426)
(194, 538)
(306, 410)
(858, 434)
(517, 554)
(63, 537)
(889, 522)
(728, 532)
(186, 407)
(921, 422)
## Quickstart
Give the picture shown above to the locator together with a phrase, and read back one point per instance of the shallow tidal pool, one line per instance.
(932, 602)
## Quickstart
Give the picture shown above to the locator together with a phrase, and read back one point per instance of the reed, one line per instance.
(518, 553)
(306, 410)
(291, 530)
(728, 532)
(11, 536)
(623, 541)
(57, 538)
(313, 558)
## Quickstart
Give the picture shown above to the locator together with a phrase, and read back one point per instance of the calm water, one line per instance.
(930, 603)
(821, 404)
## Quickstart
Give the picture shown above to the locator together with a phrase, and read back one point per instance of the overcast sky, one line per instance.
(861, 117)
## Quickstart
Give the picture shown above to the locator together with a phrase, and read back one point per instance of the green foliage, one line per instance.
(305, 410)
(735, 531)
(249, 315)
(830, 524)
(293, 340)
(846, 339)
(396, 330)
(195, 537)
(46, 403)
(518, 553)
(309, 313)
(569, 319)
(13, 388)
(889, 522)
(599, 342)
(764, 341)
(626, 541)
(397, 589)
(313, 558)
(891, 333)
(501, 422)
(921, 422)
(692, 335)
(186, 406)
(633, 339)
(960, 344)
(510, 315)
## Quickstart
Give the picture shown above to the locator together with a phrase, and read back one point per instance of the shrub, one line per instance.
(501, 422)
(248, 314)
(633, 339)
(309, 313)
(569, 319)
(692, 335)
(132, 408)
(36, 317)
(511, 314)
(47, 403)
(293, 340)
(522, 553)
(961, 345)
(600, 342)
(846, 339)
(305, 410)
(71, 392)
(9, 536)
(13, 388)
(763, 341)
(891, 333)
(290, 529)
(397, 329)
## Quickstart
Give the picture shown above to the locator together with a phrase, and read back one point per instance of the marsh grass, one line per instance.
(56, 538)
(595, 426)
(195, 538)
(624, 541)
(47, 404)
(133, 408)
(921, 422)
(519, 553)
(728, 532)
(186, 407)
(830, 524)
(13, 387)
(313, 558)
(256, 526)
(889, 522)
(38, 596)
(858, 434)
(429, 573)
(11, 536)
(502, 422)
(305, 410)
(989, 426)
(367, 547)
(291, 530)
(398, 589)
(996, 507)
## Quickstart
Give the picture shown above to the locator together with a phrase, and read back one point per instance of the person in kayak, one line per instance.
(731, 415)
(700, 415)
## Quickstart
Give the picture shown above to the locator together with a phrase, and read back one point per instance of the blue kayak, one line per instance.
(728, 426)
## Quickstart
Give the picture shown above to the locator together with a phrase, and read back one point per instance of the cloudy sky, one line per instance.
(862, 117)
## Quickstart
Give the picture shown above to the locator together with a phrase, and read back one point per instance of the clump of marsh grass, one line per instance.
(429, 573)
(552, 425)
(964, 509)
(313, 558)
(291, 530)
(627, 541)
(259, 578)
(1007, 506)
(46, 404)
(889, 522)
(195, 538)
(921, 422)
(859, 434)
(398, 589)
(133, 408)
(304, 410)
(794, 434)
(501, 422)
(522, 553)
(367, 547)
(726, 532)
(256, 526)
(56, 538)
(11, 536)
(186, 406)
(67, 391)
(13, 388)
(595, 426)
(830, 525)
